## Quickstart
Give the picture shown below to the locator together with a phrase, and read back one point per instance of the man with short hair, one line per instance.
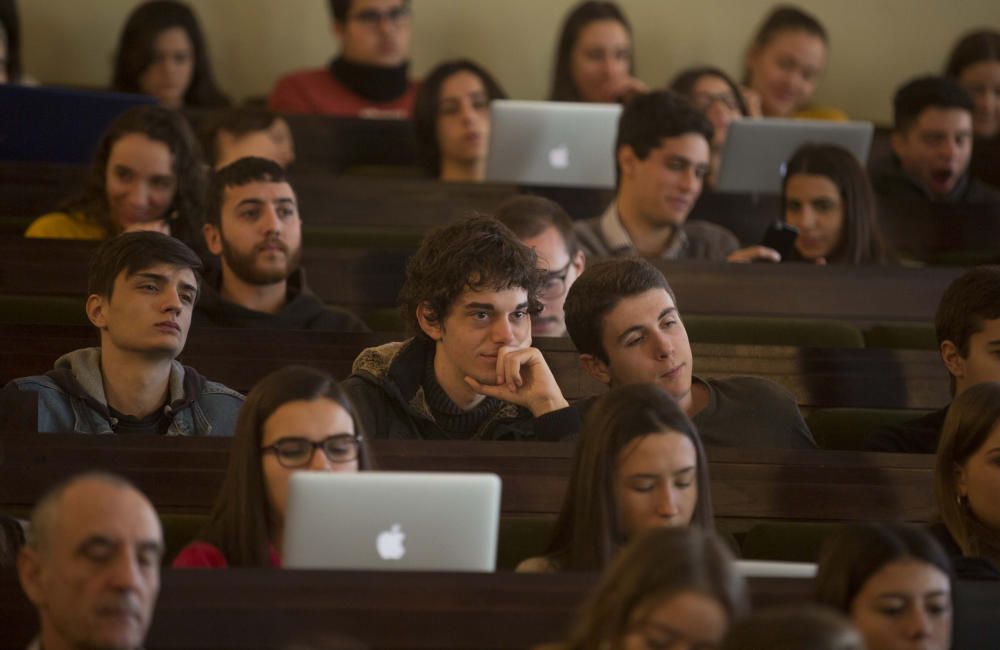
(968, 333)
(252, 223)
(469, 372)
(142, 290)
(233, 133)
(623, 318)
(369, 77)
(932, 146)
(91, 564)
(662, 153)
(543, 225)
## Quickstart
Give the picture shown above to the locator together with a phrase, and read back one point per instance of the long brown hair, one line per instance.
(563, 87)
(971, 418)
(588, 531)
(163, 125)
(661, 563)
(241, 524)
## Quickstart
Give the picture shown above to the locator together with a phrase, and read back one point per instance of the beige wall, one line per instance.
(876, 43)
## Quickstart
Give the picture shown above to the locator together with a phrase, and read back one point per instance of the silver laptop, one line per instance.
(553, 143)
(393, 521)
(754, 156)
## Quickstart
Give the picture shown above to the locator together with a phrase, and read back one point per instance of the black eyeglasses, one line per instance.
(702, 101)
(554, 283)
(293, 453)
(374, 17)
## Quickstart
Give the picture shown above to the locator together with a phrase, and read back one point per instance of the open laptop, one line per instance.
(553, 143)
(754, 156)
(393, 521)
(57, 125)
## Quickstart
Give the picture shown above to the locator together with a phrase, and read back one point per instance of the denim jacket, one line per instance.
(71, 399)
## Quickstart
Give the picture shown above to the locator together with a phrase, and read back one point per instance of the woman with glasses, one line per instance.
(716, 95)
(295, 419)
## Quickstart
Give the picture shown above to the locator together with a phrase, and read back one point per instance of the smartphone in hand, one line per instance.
(781, 237)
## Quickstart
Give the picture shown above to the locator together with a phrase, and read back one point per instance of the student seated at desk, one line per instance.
(932, 146)
(147, 174)
(91, 565)
(544, 226)
(662, 155)
(162, 53)
(624, 320)
(469, 372)
(670, 588)
(893, 581)
(712, 92)
(230, 134)
(451, 117)
(967, 480)
(369, 77)
(827, 197)
(785, 62)
(967, 325)
(975, 65)
(142, 288)
(594, 57)
(253, 225)
(296, 418)
(638, 464)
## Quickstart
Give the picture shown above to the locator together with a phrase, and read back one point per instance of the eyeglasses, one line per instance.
(702, 101)
(374, 17)
(293, 453)
(554, 283)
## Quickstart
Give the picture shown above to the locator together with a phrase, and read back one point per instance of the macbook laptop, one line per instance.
(553, 143)
(393, 521)
(754, 156)
(57, 125)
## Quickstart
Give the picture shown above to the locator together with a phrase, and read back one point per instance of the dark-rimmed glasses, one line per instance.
(554, 283)
(374, 17)
(294, 453)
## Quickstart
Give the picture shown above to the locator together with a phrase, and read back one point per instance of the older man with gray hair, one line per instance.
(91, 564)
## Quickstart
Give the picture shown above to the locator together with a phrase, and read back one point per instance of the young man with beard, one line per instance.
(253, 224)
(469, 372)
(369, 77)
(624, 320)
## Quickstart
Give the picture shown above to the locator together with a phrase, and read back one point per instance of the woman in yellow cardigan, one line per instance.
(147, 174)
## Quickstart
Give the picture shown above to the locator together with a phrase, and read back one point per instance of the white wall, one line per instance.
(877, 44)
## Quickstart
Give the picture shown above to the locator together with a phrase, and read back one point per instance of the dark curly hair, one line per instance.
(478, 253)
(162, 125)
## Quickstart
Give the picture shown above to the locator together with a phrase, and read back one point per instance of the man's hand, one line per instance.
(523, 378)
(754, 253)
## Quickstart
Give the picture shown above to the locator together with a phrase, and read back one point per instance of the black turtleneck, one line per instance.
(373, 82)
(454, 422)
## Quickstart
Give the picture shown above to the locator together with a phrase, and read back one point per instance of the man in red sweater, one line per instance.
(368, 78)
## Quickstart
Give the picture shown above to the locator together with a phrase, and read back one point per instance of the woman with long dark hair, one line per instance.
(162, 52)
(296, 418)
(638, 464)
(827, 196)
(147, 174)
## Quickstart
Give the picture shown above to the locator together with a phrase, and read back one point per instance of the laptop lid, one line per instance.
(754, 156)
(393, 521)
(57, 125)
(553, 143)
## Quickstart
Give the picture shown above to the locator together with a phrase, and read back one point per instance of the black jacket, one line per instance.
(386, 392)
(918, 436)
(302, 310)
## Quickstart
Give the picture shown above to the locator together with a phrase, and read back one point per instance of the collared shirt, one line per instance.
(605, 236)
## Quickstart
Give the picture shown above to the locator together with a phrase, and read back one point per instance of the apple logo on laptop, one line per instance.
(559, 157)
(389, 543)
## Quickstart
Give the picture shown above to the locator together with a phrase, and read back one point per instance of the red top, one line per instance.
(202, 555)
(318, 92)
